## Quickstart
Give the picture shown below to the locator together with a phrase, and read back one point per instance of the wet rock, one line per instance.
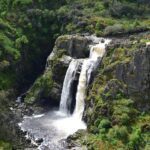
(28, 140)
(102, 41)
(39, 141)
(73, 141)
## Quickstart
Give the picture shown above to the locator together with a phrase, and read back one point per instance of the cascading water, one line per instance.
(66, 96)
(88, 67)
(81, 91)
(54, 126)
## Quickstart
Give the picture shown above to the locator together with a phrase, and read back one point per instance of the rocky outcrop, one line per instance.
(47, 88)
(124, 74)
(75, 46)
(136, 75)
(119, 98)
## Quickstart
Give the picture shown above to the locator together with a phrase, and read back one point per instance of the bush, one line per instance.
(106, 3)
(123, 111)
(135, 138)
(114, 29)
(4, 65)
(105, 123)
(122, 119)
(120, 10)
(118, 132)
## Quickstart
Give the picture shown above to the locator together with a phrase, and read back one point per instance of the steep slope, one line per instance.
(118, 101)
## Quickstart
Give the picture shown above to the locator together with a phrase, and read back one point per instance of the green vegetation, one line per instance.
(106, 17)
(5, 146)
(28, 29)
(115, 121)
(41, 88)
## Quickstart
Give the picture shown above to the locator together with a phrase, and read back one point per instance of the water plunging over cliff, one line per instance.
(89, 66)
(66, 96)
(54, 126)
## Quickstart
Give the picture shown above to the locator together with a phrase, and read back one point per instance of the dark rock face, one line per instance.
(55, 93)
(136, 74)
(76, 46)
(113, 87)
(9, 117)
(60, 68)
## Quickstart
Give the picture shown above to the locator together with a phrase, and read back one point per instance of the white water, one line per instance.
(66, 96)
(57, 125)
(89, 66)
(81, 92)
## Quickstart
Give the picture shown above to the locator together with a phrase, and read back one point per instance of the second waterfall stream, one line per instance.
(54, 126)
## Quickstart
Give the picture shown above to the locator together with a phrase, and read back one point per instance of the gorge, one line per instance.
(74, 74)
(53, 127)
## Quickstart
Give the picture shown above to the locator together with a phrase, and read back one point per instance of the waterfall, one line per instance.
(81, 91)
(54, 126)
(67, 90)
(89, 66)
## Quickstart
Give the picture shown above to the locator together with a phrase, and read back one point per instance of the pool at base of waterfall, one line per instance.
(48, 131)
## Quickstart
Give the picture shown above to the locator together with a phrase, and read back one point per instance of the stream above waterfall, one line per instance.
(49, 130)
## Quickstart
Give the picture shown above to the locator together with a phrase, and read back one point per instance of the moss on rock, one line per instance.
(40, 89)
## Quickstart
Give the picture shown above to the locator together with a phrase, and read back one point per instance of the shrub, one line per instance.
(105, 123)
(4, 65)
(106, 3)
(119, 10)
(118, 132)
(123, 111)
(22, 2)
(21, 41)
(114, 29)
(97, 122)
(98, 7)
(102, 131)
(94, 130)
(135, 138)
(41, 88)
(122, 119)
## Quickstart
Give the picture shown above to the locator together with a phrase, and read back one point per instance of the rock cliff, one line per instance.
(47, 88)
(118, 101)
